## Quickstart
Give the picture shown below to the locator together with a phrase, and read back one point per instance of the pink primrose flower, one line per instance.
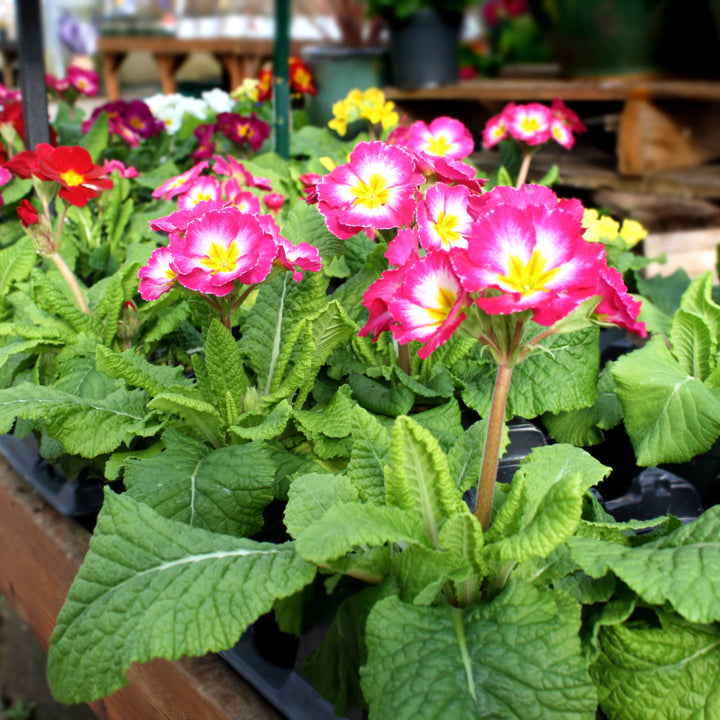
(244, 200)
(220, 247)
(309, 182)
(179, 183)
(442, 217)
(233, 169)
(205, 135)
(561, 111)
(86, 82)
(176, 223)
(529, 123)
(240, 129)
(116, 165)
(376, 189)
(202, 189)
(158, 275)
(377, 299)
(429, 305)
(448, 170)
(274, 202)
(138, 116)
(444, 137)
(495, 129)
(531, 251)
(295, 258)
(560, 132)
(403, 247)
(617, 307)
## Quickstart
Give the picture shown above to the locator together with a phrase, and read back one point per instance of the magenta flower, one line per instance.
(240, 129)
(138, 116)
(375, 189)
(243, 200)
(561, 133)
(528, 245)
(295, 258)
(496, 128)
(116, 165)
(220, 247)
(442, 217)
(202, 189)
(274, 202)
(429, 305)
(617, 307)
(233, 169)
(179, 183)
(205, 135)
(529, 123)
(86, 82)
(177, 223)
(403, 247)
(158, 276)
(562, 112)
(444, 137)
(377, 300)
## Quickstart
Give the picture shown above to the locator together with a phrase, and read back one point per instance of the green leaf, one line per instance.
(682, 568)
(224, 490)
(311, 495)
(305, 224)
(669, 415)
(263, 425)
(419, 478)
(116, 419)
(49, 297)
(518, 656)
(95, 141)
(381, 398)
(16, 261)
(15, 190)
(136, 371)
(370, 453)
(226, 374)
(667, 673)
(348, 525)
(189, 405)
(150, 587)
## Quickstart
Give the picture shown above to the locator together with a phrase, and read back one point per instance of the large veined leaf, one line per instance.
(189, 405)
(50, 298)
(465, 457)
(419, 477)
(224, 490)
(370, 453)
(669, 415)
(305, 224)
(515, 658)
(151, 587)
(114, 420)
(671, 672)
(682, 568)
(16, 262)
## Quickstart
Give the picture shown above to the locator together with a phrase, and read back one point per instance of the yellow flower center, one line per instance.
(530, 124)
(220, 258)
(372, 194)
(445, 227)
(71, 178)
(530, 277)
(439, 145)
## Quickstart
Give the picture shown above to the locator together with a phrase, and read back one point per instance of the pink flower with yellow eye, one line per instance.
(429, 305)
(376, 189)
(496, 128)
(179, 183)
(377, 300)
(204, 189)
(444, 137)
(243, 200)
(617, 307)
(220, 247)
(442, 217)
(233, 169)
(529, 246)
(561, 133)
(158, 275)
(529, 123)
(295, 258)
(86, 82)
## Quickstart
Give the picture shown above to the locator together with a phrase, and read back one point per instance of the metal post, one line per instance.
(281, 88)
(32, 72)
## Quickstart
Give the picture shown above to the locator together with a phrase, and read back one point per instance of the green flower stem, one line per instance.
(493, 441)
(71, 280)
(524, 169)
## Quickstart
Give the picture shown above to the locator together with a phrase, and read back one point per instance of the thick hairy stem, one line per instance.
(524, 169)
(404, 358)
(493, 440)
(71, 280)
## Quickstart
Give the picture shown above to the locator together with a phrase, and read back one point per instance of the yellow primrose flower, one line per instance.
(247, 89)
(354, 98)
(632, 232)
(327, 163)
(591, 223)
(609, 228)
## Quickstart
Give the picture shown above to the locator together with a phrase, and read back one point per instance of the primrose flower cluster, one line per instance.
(219, 240)
(131, 120)
(534, 124)
(460, 253)
(370, 106)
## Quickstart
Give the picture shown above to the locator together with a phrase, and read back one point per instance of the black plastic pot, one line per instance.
(424, 49)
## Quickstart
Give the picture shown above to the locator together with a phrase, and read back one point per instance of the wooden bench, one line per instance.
(664, 124)
(239, 57)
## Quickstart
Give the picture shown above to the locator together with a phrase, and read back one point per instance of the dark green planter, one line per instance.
(337, 71)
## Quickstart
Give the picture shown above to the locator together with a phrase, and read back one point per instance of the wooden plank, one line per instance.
(40, 553)
(695, 251)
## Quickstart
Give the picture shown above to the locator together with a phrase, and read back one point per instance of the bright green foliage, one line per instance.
(516, 657)
(151, 587)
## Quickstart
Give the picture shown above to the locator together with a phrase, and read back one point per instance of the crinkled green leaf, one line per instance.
(370, 453)
(671, 672)
(669, 415)
(515, 658)
(418, 478)
(114, 420)
(443, 421)
(224, 490)
(311, 495)
(16, 261)
(334, 420)
(151, 587)
(380, 397)
(465, 457)
(51, 299)
(305, 224)
(79, 376)
(697, 302)
(262, 425)
(347, 525)
(682, 568)
(137, 372)
(189, 405)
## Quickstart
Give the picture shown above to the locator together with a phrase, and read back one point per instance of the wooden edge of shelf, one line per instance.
(40, 553)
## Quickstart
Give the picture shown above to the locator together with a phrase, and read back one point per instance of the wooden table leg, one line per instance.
(234, 69)
(168, 66)
(111, 72)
